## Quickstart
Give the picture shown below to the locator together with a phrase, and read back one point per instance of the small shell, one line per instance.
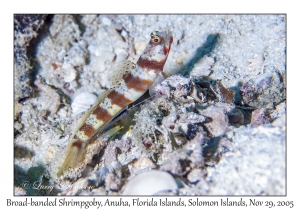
(150, 183)
(82, 102)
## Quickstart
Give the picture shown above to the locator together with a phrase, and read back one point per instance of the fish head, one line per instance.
(156, 53)
(161, 40)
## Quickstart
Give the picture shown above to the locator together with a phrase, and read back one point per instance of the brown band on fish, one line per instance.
(151, 64)
(88, 130)
(78, 143)
(166, 50)
(118, 99)
(102, 114)
(136, 83)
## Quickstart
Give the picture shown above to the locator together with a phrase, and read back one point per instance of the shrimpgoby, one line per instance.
(129, 82)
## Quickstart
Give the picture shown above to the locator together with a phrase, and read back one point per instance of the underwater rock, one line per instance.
(214, 149)
(280, 121)
(175, 86)
(109, 175)
(49, 94)
(148, 127)
(26, 27)
(18, 191)
(236, 117)
(116, 168)
(280, 110)
(17, 110)
(98, 191)
(150, 183)
(181, 161)
(203, 67)
(112, 182)
(62, 53)
(183, 123)
(140, 164)
(98, 177)
(67, 73)
(279, 115)
(219, 120)
(198, 94)
(264, 91)
(18, 126)
(110, 154)
(176, 162)
(224, 95)
(259, 117)
(195, 175)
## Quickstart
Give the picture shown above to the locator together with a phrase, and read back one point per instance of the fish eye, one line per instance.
(155, 39)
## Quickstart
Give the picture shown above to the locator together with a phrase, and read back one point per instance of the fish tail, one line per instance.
(74, 156)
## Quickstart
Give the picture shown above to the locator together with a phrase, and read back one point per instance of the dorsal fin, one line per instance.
(118, 71)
